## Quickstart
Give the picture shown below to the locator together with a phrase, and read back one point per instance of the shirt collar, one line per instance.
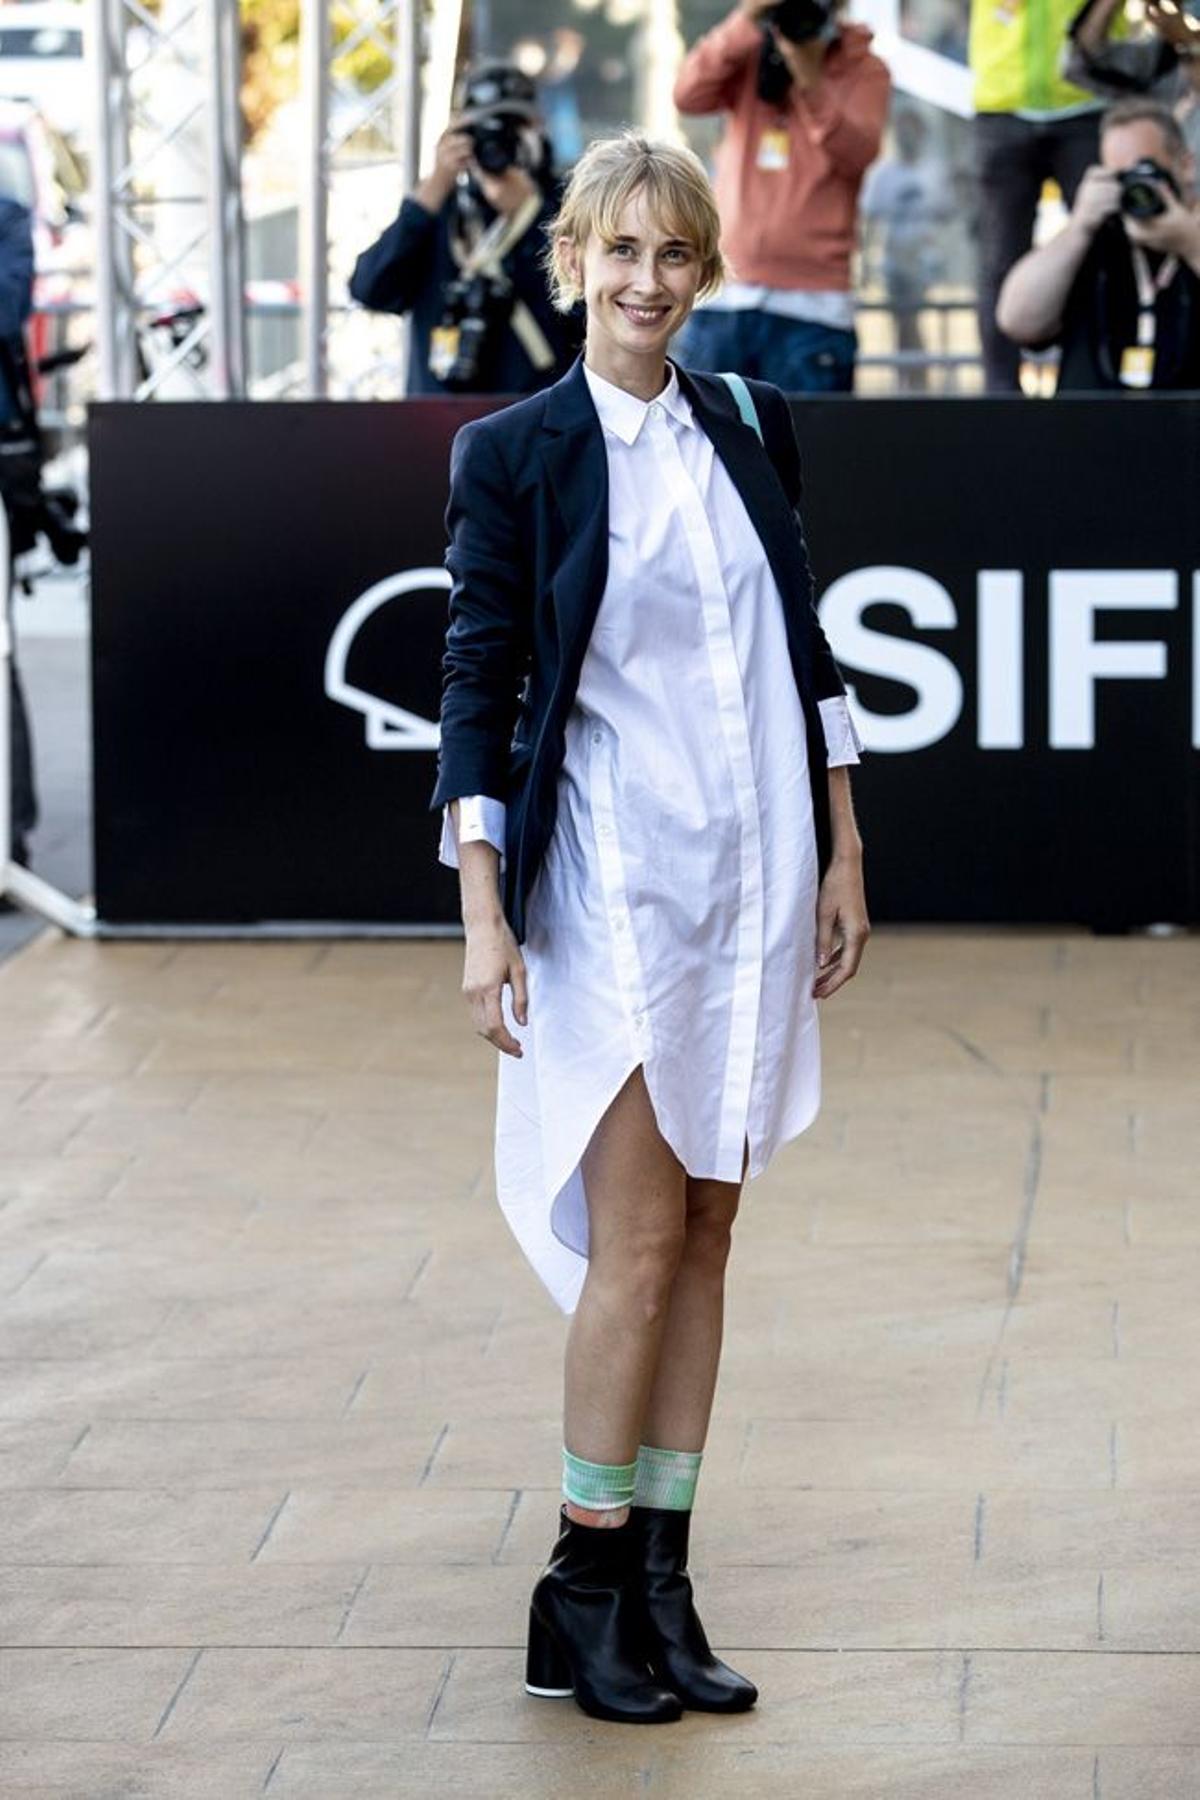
(624, 414)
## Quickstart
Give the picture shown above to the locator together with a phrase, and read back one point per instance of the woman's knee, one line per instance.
(640, 1267)
(712, 1208)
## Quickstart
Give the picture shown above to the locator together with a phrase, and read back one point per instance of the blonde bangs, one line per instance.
(609, 174)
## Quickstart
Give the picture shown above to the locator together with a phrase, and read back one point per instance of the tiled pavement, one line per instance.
(279, 1399)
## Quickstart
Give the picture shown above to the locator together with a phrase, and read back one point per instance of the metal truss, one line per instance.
(361, 129)
(168, 199)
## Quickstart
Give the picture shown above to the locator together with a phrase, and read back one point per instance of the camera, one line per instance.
(497, 141)
(800, 21)
(1141, 189)
(473, 310)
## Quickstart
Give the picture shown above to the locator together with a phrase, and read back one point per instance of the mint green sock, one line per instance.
(600, 1487)
(666, 1478)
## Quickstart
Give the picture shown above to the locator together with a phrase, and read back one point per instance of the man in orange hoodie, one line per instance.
(806, 100)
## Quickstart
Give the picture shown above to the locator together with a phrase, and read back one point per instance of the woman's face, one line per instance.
(639, 288)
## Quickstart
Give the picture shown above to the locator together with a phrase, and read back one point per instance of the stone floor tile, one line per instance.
(264, 1387)
(140, 1606)
(1110, 1697)
(391, 1525)
(818, 1453)
(33, 1451)
(681, 1768)
(441, 1605)
(308, 1695)
(101, 1694)
(814, 1698)
(91, 1770)
(142, 1525)
(1148, 1774)
(229, 1453)
(475, 1450)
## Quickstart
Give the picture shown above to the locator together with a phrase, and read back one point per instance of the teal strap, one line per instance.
(745, 402)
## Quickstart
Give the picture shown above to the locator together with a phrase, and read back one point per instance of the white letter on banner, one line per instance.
(934, 676)
(1001, 668)
(1078, 661)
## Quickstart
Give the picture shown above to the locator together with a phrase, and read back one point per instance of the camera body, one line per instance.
(497, 141)
(474, 309)
(1141, 189)
(799, 21)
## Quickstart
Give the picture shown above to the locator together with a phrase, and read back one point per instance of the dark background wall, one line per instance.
(229, 541)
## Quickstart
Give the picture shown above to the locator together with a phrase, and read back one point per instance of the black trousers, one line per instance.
(1013, 158)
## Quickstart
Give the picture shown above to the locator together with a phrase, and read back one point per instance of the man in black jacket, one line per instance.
(465, 254)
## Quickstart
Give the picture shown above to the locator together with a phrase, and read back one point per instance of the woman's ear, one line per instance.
(570, 261)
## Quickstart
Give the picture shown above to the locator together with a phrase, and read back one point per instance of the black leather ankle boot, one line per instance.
(585, 1629)
(678, 1650)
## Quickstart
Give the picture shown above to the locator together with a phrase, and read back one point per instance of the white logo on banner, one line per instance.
(389, 727)
(1079, 658)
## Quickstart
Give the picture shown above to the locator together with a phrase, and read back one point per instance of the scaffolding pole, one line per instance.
(167, 154)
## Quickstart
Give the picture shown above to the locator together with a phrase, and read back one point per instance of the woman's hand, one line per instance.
(842, 925)
(494, 959)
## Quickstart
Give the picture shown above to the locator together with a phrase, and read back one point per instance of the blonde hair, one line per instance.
(606, 177)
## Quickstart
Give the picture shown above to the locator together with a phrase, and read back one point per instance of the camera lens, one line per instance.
(1142, 200)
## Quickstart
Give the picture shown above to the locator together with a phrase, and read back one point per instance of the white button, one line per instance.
(620, 924)
(655, 410)
(606, 831)
(595, 737)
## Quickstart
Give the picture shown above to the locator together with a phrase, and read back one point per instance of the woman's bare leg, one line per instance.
(636, 1195)
(681, 1396)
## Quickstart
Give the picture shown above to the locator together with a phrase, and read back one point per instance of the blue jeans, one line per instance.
(797, 356)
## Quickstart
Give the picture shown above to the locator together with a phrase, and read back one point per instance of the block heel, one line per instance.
(585, 1629)
(547, 1671)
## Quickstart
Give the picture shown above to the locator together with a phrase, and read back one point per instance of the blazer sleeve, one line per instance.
(779, 435)
(399, 265)
(488, 640)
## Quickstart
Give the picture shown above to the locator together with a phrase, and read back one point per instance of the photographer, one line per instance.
(806, 100)
(465, 254)
(1162, 64)
(1119, 287)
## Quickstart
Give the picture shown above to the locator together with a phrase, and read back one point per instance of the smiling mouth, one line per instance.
(644, 315)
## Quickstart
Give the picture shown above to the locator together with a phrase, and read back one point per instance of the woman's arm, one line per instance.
(842, 924)
(487, 655)
(493, 957)
(712, 73)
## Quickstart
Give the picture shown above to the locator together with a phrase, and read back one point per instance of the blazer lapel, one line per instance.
(573, 453)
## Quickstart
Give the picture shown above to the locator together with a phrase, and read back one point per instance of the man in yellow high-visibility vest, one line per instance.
(1031, 125)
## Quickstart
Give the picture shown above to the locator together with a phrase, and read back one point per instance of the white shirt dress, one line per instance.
(672, 924)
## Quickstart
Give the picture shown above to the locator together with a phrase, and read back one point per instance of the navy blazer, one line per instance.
(528, 527)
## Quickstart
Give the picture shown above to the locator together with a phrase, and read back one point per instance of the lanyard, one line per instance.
(1149, 287)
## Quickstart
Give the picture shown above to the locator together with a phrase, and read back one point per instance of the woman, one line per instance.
(634, 723)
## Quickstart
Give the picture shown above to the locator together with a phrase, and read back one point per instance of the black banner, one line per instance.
(1010, 588)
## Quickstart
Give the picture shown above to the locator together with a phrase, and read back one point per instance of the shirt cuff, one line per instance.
(478, 818)
(842, 742)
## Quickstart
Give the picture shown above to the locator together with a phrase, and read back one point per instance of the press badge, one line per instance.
(1137, 366)
(443, 350)
(773, 149)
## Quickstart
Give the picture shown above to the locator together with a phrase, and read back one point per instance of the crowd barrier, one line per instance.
(1011, 588)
